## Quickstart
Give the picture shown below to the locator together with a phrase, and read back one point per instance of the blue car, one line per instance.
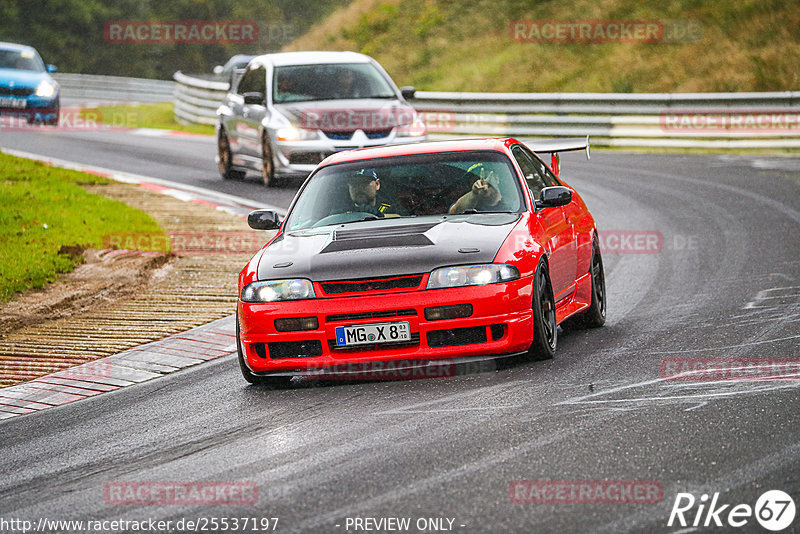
(26, 88)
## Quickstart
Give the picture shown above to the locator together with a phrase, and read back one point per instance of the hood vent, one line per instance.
(411, 235)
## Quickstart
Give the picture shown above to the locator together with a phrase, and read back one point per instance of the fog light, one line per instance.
(296, 323)
(455, 311)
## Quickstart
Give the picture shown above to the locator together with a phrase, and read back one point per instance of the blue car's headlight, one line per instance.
(277, 290)
(45, 89)
(472, 275)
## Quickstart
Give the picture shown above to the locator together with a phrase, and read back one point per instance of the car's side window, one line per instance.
(253, 81)
(549, 178)
(531, 170)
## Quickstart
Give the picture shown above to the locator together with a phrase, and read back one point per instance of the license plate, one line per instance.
(368, 334)
(7, 102)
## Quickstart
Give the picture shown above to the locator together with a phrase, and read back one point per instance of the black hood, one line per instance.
(386, 247)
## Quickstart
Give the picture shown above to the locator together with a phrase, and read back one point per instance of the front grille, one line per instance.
(457, 336)
(378, 134)
(357, 286)
(295, 349)
(342, 317)
(16, 91)
(339, 136)
(376, 346)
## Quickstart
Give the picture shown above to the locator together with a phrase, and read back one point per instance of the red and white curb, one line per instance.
(130, 367)
(142, 363)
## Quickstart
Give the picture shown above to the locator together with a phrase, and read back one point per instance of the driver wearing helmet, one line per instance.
(364, 187)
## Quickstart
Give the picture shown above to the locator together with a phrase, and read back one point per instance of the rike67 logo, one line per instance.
(774, 510)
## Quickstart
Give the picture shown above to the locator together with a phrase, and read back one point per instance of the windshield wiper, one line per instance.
(362, 219)
(472, 211)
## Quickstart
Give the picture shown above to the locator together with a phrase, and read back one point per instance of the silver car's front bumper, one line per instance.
(301, 157)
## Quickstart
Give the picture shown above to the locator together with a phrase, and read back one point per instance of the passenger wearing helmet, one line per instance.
(484, 194)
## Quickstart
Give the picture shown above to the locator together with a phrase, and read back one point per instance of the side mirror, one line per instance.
(51, 68)
(553, 197)
(254, 98)
(408, 92)
(264, 220)
(218, 69)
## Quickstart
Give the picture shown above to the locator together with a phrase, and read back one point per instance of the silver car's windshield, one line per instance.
(21, 60)
(305, 83)
(408, 186)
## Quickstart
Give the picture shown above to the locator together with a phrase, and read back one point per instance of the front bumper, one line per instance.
(31, 109)
(302, 157)
(501, 323)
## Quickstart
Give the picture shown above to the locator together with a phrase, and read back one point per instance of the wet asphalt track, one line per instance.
(726, 284)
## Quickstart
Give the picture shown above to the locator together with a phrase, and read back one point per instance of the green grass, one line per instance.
(438, 45)
(43, 208)
(159, 116)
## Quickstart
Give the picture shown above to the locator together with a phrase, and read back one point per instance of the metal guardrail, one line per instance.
(85, 89)
(197, 99)
(689, 120)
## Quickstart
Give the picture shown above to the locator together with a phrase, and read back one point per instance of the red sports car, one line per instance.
(422, 254)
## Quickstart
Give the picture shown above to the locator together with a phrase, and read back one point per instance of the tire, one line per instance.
(545, 325)
(274, 381)
(595, 316)
(267, 165)
(225, 159)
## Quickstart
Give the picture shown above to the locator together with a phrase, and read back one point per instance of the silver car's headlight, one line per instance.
(472, 275)
(277, 290)
(290, 133)
(45, 89)
(415, 129)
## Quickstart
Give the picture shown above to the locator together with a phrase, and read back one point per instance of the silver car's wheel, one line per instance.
(267, 165)
(225, 159)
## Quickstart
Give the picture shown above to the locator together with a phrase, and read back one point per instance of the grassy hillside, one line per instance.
(748, 45)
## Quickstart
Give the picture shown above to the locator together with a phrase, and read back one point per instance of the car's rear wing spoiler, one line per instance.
(554, 146)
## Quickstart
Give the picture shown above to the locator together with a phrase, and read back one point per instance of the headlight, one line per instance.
(290, 133)
(45, 89)
(276, 290)
(472, 275)
(415, 129)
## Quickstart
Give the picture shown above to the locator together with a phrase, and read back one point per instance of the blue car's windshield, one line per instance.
(337, 81)
(21, 60)
(408, 186)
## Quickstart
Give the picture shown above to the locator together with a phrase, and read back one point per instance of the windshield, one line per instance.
(408, 186)
(305, 83)
(21, 60)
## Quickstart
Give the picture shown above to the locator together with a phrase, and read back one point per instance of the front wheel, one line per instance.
(545, 326)
(267, 165)
(225, 159)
